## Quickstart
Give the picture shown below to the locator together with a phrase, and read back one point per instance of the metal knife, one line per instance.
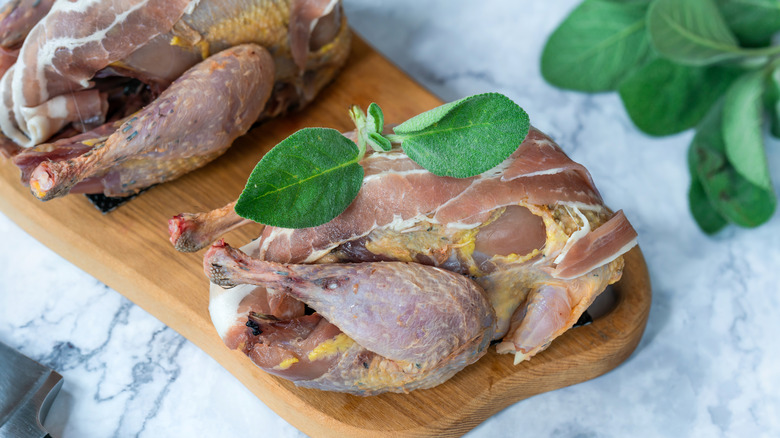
(27, 390)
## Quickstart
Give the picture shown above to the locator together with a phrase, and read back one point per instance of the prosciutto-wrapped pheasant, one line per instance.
(112, 96)
(531, 234)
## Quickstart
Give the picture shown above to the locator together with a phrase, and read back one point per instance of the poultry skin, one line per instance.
(91, 73)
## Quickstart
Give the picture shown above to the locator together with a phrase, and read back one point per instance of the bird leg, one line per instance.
(192, 122)
(190, 232)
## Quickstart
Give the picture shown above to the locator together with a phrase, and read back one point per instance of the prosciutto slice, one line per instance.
(597, 248)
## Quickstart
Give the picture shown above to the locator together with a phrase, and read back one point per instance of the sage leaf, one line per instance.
(772, 101)
(306, 180)
(359, 119)
(705, 215)
(428, 118)
(378, 142)
(729, 193)
(664, 98)
(596, 46)
(466, 137)
(742, 134)
(375, 119)
(753, 22)
(691, 32)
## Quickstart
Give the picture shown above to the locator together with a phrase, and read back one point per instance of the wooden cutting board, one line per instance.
(128, 250)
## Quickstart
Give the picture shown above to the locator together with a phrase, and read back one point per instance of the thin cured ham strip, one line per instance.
(427, 321)
(305, 16)
(604, 244)
(545, 159)
(44, 120)
(538, 172)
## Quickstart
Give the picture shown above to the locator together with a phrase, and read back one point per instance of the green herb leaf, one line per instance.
(730, 194)
(742, 116)
(772, 101)
(369, 128)
(359, 119)
(378, 142)
(596, 46)
(306, 180)
(691, 32)
(428, 118)
(665, 98)
(375, 119)
(466, 137)
(709, 220)
(604, 44)
(752, 21)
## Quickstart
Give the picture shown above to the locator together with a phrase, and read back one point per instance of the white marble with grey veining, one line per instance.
(708, 365)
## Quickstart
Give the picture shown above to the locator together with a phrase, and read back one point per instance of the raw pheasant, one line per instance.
(88, 67)
(533, 233)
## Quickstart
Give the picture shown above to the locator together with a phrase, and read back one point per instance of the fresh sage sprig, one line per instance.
(681, 64)
(313, 175)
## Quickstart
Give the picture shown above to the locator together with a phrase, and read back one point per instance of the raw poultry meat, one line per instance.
(88, 74)
(397, 326)
(190, 232)
(193, 121)
(533, 233)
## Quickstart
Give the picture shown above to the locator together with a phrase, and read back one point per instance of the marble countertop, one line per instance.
(708, 364)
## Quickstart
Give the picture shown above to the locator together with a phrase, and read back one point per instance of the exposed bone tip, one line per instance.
(41, 182)
(176, 227)
(181, 229)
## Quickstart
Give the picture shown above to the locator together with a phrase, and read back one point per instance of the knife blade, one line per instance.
(27, 390)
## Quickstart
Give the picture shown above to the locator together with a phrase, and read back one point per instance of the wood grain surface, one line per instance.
(128, 250)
